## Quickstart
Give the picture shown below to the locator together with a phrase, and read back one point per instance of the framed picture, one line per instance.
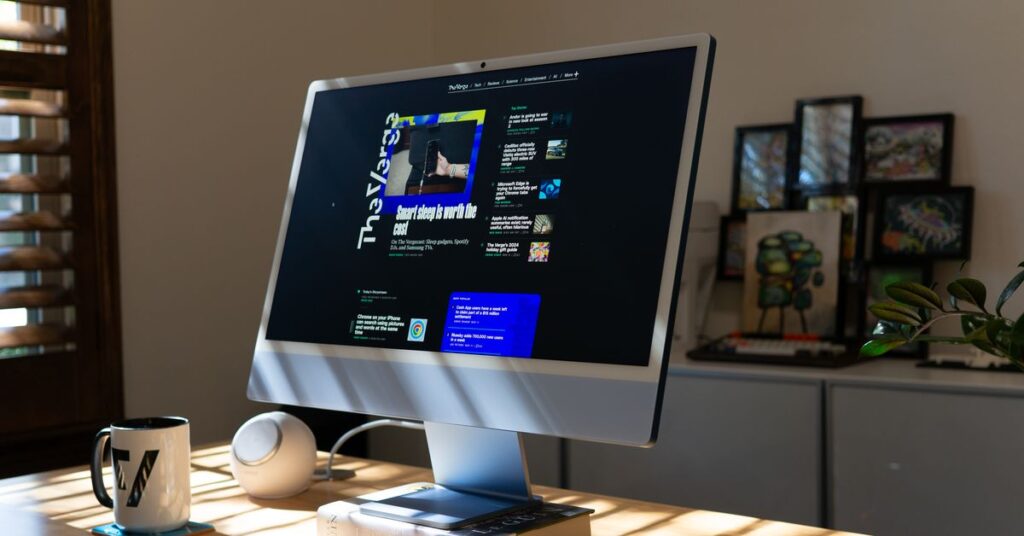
(880, 276)
(791, 273)
(923, 222)
(908, 148)
(732, 244)
(760, 167)
(852, 247)
(827, 142)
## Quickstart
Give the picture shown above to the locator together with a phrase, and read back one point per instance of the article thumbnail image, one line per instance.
(556, 149)
(561, 120)
(543, 224)
(435, 156)
(431, 159)
(539, 252)
(417, 329)
(549, 189)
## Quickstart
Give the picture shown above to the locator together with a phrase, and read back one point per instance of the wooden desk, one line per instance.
(66, 498)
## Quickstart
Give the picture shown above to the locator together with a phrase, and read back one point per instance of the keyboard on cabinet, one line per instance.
(797, 349)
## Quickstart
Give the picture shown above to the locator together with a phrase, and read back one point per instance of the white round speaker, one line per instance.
(273, 455)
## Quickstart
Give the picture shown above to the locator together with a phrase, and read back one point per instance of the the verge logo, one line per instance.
(378, 179)
(120, 456)
(458, 87)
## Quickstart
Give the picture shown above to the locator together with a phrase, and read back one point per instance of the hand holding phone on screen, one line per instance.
(430, 163)
(444, 167)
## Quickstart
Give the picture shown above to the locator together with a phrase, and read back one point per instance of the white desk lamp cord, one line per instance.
(327, 473)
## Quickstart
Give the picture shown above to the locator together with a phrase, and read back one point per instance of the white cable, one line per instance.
(327, 473)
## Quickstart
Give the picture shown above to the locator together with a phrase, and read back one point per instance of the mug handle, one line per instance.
(99, 447)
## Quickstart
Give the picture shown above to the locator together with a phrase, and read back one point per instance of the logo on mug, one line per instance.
(141, 476)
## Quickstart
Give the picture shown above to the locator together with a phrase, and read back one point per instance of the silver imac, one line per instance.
(491, 247)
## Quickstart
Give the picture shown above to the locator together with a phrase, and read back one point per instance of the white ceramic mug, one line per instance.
(151, 458)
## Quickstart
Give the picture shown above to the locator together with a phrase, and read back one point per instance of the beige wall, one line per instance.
(208, 100)
(208, 97)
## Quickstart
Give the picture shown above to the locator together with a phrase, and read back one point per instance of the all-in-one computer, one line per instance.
(493, 248)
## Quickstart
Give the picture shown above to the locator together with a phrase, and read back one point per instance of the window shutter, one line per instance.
(60, 362)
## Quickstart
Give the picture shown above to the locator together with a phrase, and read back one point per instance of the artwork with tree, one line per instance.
(791, 277)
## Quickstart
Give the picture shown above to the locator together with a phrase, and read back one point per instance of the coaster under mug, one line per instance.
(192, 527)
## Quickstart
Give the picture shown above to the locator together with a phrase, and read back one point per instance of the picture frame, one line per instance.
(827, 142)
(922, 221)
(849, 202)
(761, 167)
(732, 247)
(878, 275)
(851, 206)
(908, 148)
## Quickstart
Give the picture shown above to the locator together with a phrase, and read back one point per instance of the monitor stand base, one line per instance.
(480, 473)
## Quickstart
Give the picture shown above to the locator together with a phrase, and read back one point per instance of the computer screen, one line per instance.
(516, 213)
(493, 243)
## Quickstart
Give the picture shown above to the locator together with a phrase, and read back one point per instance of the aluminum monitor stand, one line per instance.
(479, 473)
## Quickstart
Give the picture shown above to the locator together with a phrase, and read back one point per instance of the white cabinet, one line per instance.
(912, 461)
(738, 445)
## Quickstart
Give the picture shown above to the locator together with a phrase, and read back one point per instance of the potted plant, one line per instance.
(913, 308)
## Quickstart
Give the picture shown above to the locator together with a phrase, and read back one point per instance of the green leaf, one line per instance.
(971, 323)
(1007, 292)
(914, 294)
(994, 327)
(1017, 339)
(988, 348)
(943, 340)
(885, 327)
(978, 335)
(881, 345)
(995, 330)
(895, 312)
(969, 290)
(979, 339)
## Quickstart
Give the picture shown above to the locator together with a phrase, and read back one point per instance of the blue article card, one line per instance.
(491, 323)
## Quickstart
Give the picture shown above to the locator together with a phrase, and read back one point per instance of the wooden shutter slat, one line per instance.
(30, 108)
(31, 32)
(52, 3)
(21, 258)
(33, 69)
(35, 335)
(31, 221)
(27, 183)
(33, 146)
(37, 296)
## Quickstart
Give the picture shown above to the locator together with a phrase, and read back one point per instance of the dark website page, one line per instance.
(520, 213)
